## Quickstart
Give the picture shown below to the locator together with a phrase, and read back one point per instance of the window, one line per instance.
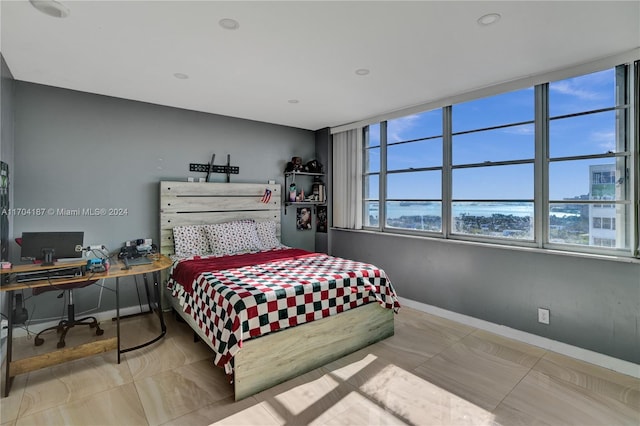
(493, 152)
(588, 138)
(549, 166)
(414, 172)
(371, 179)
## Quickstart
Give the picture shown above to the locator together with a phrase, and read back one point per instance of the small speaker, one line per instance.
(20, 313)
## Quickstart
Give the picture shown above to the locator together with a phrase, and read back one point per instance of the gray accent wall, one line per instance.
(75, 150)
(7, 141)
(7, 123)
(594, 304)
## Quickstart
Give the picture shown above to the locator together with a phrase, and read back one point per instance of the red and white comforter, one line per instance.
(233, 298)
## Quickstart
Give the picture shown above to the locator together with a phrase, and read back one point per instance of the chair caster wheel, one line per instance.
(38, 341)
(61, 345)
(99, 332)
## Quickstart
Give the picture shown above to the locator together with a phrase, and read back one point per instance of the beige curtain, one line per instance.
(347, 179)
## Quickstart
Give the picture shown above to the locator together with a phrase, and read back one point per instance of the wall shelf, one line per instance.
(290, 177)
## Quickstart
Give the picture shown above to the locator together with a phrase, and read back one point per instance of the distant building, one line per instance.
(602, 217)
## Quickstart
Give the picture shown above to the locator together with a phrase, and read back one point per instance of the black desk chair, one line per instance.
(65, 325)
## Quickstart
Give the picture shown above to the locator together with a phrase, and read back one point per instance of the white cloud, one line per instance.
(567, 87)
(400, 125)
(605, 140)
(527, 129)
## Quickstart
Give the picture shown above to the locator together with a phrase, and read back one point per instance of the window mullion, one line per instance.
(634, 147)
(541, 165)
(446, 171)
(382, 210)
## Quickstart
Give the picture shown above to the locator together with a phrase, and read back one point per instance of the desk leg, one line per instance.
(118, 315)
(163, 326)
(150, 311)
(146, 289)
(156, 291)
(7, 375)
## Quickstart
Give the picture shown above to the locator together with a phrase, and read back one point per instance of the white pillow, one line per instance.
(267, 234)
(233, 237)
(191, 240)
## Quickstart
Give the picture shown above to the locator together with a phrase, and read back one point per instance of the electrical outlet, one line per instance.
(543, 316)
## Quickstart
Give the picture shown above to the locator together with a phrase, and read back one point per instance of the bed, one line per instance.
(269, 312)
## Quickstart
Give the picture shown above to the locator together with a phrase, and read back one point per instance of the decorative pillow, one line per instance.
(191, 240)
(267, 234)
(233, 237)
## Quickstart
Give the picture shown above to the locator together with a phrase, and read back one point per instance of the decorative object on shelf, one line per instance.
(211, 168)
(321, 219)
(303, 219)
(292, 192)
(317, 190)
(314, 166)
(295, 165)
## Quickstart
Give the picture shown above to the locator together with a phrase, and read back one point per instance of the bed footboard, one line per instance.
(275, 358)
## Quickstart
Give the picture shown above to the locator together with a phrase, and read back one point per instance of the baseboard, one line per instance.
(605, 361)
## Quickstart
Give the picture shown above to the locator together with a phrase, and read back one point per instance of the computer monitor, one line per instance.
(47, 246)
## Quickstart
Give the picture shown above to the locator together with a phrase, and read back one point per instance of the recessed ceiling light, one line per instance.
(50, 8)
(362, 71)
(229, 24)
(488, 19)
(293, 101)
(181, 76)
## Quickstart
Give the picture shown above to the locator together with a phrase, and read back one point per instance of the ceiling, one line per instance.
(294, 62)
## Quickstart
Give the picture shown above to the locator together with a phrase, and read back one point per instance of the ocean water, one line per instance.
(395, 210)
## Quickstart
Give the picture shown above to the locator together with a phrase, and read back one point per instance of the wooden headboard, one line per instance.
(189, 203)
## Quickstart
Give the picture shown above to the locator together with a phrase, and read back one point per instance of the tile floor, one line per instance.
(432, 372)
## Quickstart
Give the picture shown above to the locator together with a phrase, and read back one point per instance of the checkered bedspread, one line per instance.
(233, 304)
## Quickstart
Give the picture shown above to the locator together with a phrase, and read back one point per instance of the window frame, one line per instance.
(541, 166)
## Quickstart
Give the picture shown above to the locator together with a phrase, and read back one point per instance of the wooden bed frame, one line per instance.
(272, 359)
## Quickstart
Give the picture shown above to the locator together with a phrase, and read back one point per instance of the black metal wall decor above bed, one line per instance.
(212, 168)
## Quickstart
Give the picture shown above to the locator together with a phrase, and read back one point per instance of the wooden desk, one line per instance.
(117, 271)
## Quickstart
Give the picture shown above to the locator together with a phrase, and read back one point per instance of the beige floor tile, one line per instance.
(306, 399)
(171, 394)
(422, 320)
(407, 396)
(10, 405)
(243, 412)
(357, 410)
(252, 416)
(541, 399)
(620, 387)
(520, 353)
(164, 355)
(475, 371)
(139, 329)
(72, 381)
(117, 407)
(395, 349)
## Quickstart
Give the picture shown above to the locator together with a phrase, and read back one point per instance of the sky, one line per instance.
(581, 135)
